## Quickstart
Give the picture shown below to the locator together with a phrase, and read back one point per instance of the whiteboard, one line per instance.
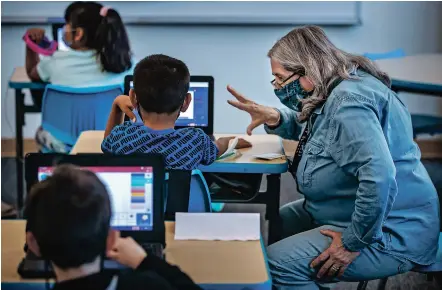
(217, 12)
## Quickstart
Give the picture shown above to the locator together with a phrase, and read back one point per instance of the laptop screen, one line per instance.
(131, 195)
(197, 115)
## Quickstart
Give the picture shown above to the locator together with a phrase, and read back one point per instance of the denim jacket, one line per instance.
(361, 170)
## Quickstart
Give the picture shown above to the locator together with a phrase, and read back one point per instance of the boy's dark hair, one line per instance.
(69, 215)
(105, 34)
(161, 83)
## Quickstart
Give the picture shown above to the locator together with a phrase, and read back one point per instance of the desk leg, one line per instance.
(272, 210)
(19, 122)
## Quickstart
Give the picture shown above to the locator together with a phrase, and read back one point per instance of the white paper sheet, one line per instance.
(231, 149)
(217, 226)
(269, 156)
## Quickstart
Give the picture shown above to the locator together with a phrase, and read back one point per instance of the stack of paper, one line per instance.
(217, 226)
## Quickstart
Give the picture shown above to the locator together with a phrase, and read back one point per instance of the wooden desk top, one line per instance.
(206, 262)
(90, 142)
(420, 69)
(20, 80)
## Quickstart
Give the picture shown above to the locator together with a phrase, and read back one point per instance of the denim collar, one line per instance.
(320, 108)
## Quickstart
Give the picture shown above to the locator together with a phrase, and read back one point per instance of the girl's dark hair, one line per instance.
(106, 34)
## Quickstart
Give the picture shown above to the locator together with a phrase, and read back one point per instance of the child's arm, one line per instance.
(170, 273)
(116, 117)
(120, 107)
(129, 253)
(32, 58)
(213, 150)
(222, 144)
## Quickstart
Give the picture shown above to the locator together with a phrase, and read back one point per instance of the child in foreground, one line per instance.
(160, 93)
(69, 225)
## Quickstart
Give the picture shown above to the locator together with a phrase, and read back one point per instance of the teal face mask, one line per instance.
(291, 95)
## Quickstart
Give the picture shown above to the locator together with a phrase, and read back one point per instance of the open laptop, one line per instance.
(135, 184)
(57, 34)
(200, 112)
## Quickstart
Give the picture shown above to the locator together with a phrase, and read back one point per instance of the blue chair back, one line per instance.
(66, 111)
(199, 200)
(398, 53)
(185, 191)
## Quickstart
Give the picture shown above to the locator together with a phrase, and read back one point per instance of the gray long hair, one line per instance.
(309, 50)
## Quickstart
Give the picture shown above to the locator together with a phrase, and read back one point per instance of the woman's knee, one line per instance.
(292, 256)
(288, 270)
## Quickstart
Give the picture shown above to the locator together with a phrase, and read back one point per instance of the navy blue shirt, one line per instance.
(184, 149)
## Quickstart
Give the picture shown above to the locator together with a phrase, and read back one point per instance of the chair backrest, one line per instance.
(398, 53)
(200, 200)
(66, 111)
(186, 191)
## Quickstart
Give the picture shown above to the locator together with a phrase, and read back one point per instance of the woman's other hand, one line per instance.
(260, 114)
(335, 259)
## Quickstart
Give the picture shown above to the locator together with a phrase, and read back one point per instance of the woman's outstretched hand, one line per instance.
(260, 114)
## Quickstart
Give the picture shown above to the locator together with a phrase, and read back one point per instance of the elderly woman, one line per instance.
(370, 209)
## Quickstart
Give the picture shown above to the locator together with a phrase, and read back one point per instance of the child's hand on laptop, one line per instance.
(127, 252)
(124, 104)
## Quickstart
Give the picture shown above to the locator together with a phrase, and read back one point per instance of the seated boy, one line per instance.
(160, 93)
(69, 225)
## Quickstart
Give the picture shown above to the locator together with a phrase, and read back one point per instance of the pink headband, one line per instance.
(103, 11)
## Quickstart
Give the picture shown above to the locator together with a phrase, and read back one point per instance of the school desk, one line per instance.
(90, 142)
(223, 265)
(415, 74)
(20, 81)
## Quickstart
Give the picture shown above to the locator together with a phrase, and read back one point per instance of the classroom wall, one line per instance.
(237, 55)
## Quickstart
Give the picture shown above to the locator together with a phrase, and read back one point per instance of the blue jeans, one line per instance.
(290, 258)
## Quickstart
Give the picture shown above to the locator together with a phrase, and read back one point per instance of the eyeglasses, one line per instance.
(274, 82)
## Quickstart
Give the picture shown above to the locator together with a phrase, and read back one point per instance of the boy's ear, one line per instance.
(133, 98)
(186, 103)
(32, 244)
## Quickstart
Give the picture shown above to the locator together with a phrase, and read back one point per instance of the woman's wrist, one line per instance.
(274, 118)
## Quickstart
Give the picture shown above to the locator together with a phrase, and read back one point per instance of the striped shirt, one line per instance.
(183, 149)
